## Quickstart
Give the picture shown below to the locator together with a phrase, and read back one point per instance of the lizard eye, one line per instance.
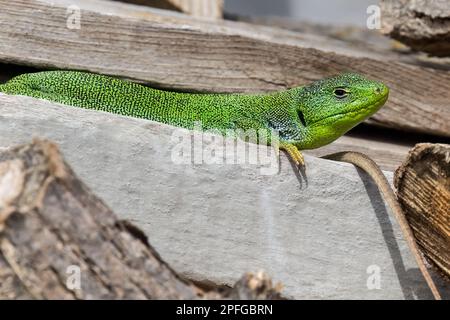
(340, 93)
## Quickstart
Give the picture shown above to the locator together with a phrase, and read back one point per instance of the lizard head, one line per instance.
(328, 108)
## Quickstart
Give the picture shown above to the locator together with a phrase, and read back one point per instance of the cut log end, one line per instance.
(423, 190)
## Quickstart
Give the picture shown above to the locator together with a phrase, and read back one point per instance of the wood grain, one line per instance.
(423, 190)
(175, 51)
(197, 8)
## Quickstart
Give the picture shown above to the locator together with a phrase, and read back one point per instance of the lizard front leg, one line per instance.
(293, 153)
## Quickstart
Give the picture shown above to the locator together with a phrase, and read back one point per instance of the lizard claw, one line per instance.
(295, 155)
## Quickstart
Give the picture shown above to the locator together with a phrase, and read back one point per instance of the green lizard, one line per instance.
(304, 117)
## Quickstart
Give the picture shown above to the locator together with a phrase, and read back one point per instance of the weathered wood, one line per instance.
(355, 36)
(196, 8)
(423, 190)
(176, 51)
(360, 37)
(161, 4)
(51, 225)
(421, 24)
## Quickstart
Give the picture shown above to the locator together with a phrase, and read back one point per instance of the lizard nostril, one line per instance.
(377, 90)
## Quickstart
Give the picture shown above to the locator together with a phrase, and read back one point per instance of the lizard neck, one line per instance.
(285, 115)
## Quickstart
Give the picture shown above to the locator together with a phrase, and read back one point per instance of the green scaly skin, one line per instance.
(305, 117)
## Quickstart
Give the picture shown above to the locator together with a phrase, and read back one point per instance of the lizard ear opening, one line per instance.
(301, 117)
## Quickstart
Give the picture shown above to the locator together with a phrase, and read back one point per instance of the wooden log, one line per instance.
(423, 190)
(53, 230)
(422, 25)
(179, 52)
(196, 8)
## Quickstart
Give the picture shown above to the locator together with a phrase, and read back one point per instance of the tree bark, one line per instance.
(422, 25)
(423, 190)
(53, 231)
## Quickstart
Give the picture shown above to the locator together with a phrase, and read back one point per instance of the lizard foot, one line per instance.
(295, 154)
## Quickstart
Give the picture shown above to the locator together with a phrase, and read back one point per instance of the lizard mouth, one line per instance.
(374, 106)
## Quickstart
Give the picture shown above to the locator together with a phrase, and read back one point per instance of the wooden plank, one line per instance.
(196, 8)
(355, 36)
(201, 8)
(176, 51)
